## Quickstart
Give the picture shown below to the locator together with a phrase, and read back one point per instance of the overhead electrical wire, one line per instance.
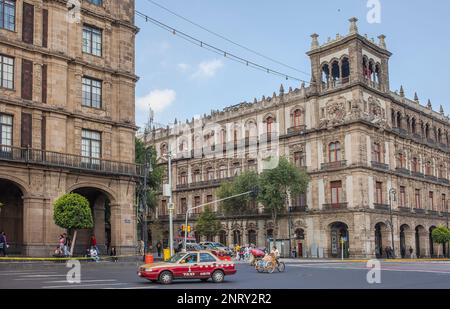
(216, 50)
(227, 39)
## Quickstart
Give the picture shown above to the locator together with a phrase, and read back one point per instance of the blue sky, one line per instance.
(182, 80)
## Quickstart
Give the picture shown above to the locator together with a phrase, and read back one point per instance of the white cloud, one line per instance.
(183, 67)
(208, 69)
(158, 100)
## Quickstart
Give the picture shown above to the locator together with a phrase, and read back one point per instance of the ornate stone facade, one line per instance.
(47, 145)
(356, 139)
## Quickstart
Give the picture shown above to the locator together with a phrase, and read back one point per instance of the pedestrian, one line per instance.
(141, 247)
(3, 243)
(386, 250)
(66, 245)
(158, 248)
(94, 254)
(61, 242)
(113, 254)
(94, 244)
(411, 250)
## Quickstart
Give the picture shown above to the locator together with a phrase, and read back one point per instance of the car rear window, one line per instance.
(206, 257)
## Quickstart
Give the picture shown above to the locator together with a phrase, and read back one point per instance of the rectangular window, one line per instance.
(336, 192)
(183, 204)
(298, 159)
(376, 153)
(163, 210)
(27, 79)
(431, 200)
(28, 23)
(44, 28)
(197, 176)
(6, 72)
(44, 84)
(209, 173)
(197, 202)
(443, 203)
(91, 142)
(402, 202)
(92, 92)
(8, 14)
(92, 40)
(417, 198)
(26, 130)
(379, 193)
(6, 126)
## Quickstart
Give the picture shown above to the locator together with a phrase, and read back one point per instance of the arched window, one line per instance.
(399, 120)
(335, 152)
(377, 75)
(297, 118)
(335, 72)
(415, 165)
(325, 75)
(366, 70)
(163, 149)
(428, 169)
(413, 126)
(377, 152)
(345, 70)
(197, 175)
(269, 125)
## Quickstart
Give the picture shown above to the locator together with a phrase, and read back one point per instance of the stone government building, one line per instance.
(355, 137)
(67, 120)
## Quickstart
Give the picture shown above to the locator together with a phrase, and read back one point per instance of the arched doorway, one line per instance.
(420, 238)
(382, 239)
(223, 237)
(11, 215)
(252, 237)
(300, 237)
(100, 204)
(339, 237)
(237, 237)
(405, 241)
(430, 239)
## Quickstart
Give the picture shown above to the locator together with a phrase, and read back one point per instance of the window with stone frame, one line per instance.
(252, 165)
(379, 192)
(6, 72)
(415, 165)
(92, 40)
(417, 197)
(163, 208)
(428, 168)
(402, 197)
(91, 146)
(197, 202)
(296, 118)
(336, 193)
(376, 152)
(299, 200)
(334, 152)
(8, 15)
(183, 179)
(441, 172)
(223, 172)
(401, 160)
(6, 131)
(299, 159)
(236, 169)
(209, 173)
(197, 175)
(443, 203)
(92, 92)
(183, 205)
(431, 200)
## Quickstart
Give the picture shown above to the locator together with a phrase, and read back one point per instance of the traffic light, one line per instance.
(183, 228)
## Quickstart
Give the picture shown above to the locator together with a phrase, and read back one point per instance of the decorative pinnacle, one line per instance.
(315, 41)
(402, 92)
(429, 106)
(281, 89)
(441, 110)
(382, 42)
(353, 25)
(416, 97)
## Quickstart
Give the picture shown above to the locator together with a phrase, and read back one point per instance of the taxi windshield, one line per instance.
(175, 258)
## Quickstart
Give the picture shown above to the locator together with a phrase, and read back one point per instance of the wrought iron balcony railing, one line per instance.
(335, 206)
(402, 170)
(381, 206)
(404, 209)
(333, 165)
(444, 181)
(380, 166)
(297, 209)
(296, 130)
(69, 161)
(420, 211)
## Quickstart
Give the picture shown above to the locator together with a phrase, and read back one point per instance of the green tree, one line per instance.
(440, 235)
(275, 185)
(207, 224)
(72, 212)
(240, 205)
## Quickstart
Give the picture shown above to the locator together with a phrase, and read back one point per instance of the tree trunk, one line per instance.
(439, 250)
(73, 242)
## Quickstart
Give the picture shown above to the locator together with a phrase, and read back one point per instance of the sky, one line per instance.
(181, 80)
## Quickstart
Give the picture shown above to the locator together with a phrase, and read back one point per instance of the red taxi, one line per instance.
(191, 265)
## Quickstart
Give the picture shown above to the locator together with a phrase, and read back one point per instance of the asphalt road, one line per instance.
(299, 275)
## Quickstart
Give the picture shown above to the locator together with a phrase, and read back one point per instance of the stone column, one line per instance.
(34, 226)
(123, 228)
(99, 223)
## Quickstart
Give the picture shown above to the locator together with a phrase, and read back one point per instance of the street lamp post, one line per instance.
(169, 157)
(392, 193)
(190, 209)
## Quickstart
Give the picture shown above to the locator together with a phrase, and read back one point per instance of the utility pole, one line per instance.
(171, 206)
(392, 192)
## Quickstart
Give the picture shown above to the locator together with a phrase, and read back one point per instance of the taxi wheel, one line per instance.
(166, 277)
(218, 276)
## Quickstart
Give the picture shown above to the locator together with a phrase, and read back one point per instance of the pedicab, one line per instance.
(256, 255)
(266, 264)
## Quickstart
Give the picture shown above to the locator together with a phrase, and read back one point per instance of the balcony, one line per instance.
(444, 181)
(403, 171)
(203, 184)
(380, 166)
(296, 130)
(404, 209)
(298, 209)
(338, 206)
(420, 211)
(381, 207)
(433, 213)
(334, 165)
(400, 131)
(69, 161)
(417, 174)
(431, 177)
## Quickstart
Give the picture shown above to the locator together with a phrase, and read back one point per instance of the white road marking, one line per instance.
(83, 281)
(25, 273)
(382, 269)
(42, 276)
(135, 288)
(80, 285)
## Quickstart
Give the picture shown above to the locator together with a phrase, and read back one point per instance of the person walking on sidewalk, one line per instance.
(3, 243)
(94, 244)
(158, 248)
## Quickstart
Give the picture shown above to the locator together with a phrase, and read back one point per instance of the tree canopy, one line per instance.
(441, 235)
(72, 211)
(207, 224)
